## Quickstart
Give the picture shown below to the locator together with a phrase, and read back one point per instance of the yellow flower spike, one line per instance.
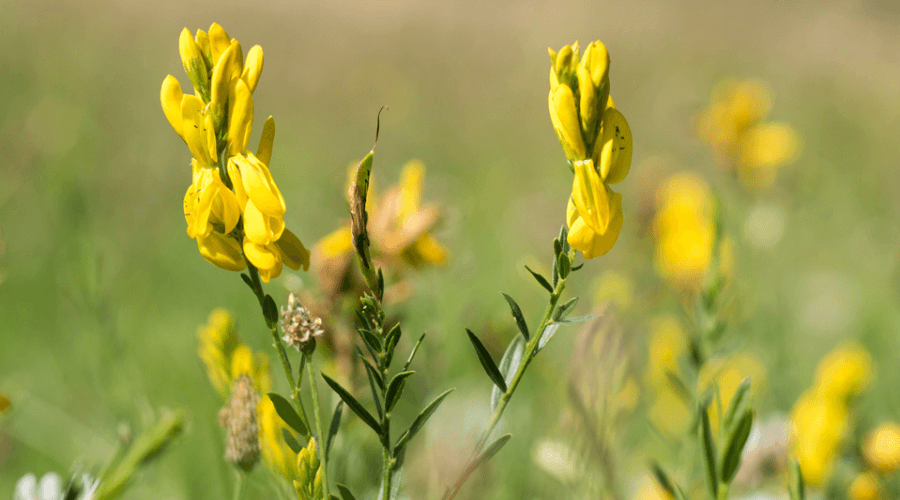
(240, 118)
(614, 148)
(202, 40)
(293, 253)
(194, 64)
(260, 228)
(241, 361)
(258, 183)
(591, 243)
(565, 119)
(266, 141)
(221, 251)
(227, 69)
(590, 196)
(218, 42)
(171, 96)
(198, 131)
(253, 67)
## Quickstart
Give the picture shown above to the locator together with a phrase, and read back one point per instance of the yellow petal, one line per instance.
(565, 120)
(596, 61)
(170, 96)
(193, 62)
(226, 70)
(266, 140)
(271, 273)
(198, 132)
(571, 213)
(593, 244)
(198, 203)
(262, 256)
(589, 114)
(241, 361)
(615, 147)
(202, 40)
(294, 254)
(260, 186)
(590, 196)
(218, 41)
(226, 208)
(428, 250)
(253, 67)
(260, 228)
(337, 243)
(240, 117)
(234, 172)
(222, 251)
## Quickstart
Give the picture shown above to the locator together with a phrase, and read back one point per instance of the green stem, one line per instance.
(320, 449)
(239, 482)
(530, 351)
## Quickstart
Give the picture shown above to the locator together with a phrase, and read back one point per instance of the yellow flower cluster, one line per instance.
(735, 129)
(597, 141)
(684, 228)
(227, 358)
(399, 230)
(821, 417)
(233, 207)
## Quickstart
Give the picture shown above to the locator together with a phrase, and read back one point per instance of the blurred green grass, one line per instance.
(103, 291)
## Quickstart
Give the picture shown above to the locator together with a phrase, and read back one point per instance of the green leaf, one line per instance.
(391, 340)
(491, 450)
(517, 314)
(371, 369)
(557, 247)
(270, 312)
(797, 488)
(578, 267)
(564, 265)
(662, 478)
(739, 403)
(732, 457)
(372, 352)
(333, 428)
(679, 495)
(290, 440)
(709, 452)
(372, 374)
(354, 405)
(487, 362)
(345, 492)
(395, 389)
(420, 420)
(412, 353)
(284, 410)
(509, 363)
(370, 339)
(541, 280)
(547, 334)
(564, 238)
(577, 320)
(249, 282)
(566, 308)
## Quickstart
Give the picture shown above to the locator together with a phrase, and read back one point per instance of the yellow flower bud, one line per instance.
(596, 61)
(565, 119)
(222, 251)
(253, 67)
(564, 63)
(218, 42)
(613, 149)
(881, 447)
(194, 64)
(170, 96)
(202, 40)
(266, 141)
(227, 69)
(240, 118)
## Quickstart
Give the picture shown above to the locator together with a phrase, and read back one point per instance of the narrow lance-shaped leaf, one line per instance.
(487, 362)
(284, 410)
(566, 308)
(375, 395)
(517, 314)
(797, 488)
(491, 450)
(541, 279)
(739, 403)
(662, 478)
(420, 420)
(509, 363)
(333, 428)
(354, 405)
(395, 389)
(732, 457)
(290, 440)
(412, 353)
(371, 369)
(547, 334)
(577, 320)
(709, 452)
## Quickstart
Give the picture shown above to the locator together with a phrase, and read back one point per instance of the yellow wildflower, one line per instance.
(845, 372)
(597, 141)
(865, 487)
(881, 447)
(734, 127)
(614, 287)
(820, 424)
(233, 208)
(227, 358)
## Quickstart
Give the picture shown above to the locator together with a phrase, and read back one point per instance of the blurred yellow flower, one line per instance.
(845, 372)
(684, 229)
(881, 447)
(275, 451)
(596, 139)
(865, 487)
(226, 358)
(614, 287)
(234, 208)
(733, 127)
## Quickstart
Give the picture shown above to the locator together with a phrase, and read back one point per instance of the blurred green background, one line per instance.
(102, 292)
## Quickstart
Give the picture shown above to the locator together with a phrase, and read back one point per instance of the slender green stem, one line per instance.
(239, 481)
(530, 351)
(311, 373)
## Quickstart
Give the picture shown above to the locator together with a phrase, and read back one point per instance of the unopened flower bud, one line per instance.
(194, 64)
(238, 418)
(299, 326)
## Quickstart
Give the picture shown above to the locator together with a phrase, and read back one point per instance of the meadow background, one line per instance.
(102, 293)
